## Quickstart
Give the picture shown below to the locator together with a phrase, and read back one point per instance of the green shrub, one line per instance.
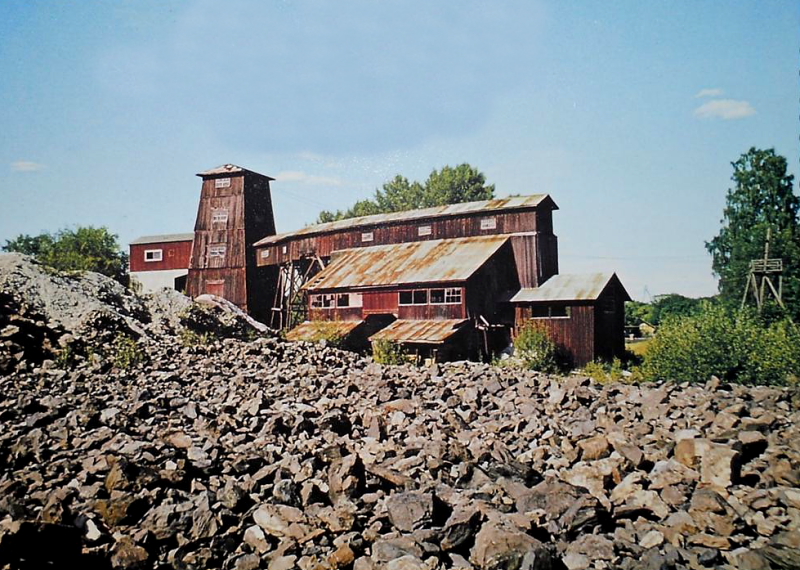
(534, 348)
(328, 331)
(127, 353)
(736, 347)
(388, 352)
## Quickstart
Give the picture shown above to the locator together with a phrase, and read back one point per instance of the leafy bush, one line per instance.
(534, 348)
(127, 353)
(388, 352)
(329, 332)
(734, 347)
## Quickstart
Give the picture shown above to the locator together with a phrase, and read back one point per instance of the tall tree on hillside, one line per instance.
(450, 185)
(81, 249)
(762, 199)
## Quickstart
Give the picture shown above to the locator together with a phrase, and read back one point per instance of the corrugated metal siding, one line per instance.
(175, 255)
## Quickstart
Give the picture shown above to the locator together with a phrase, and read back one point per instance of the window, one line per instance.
(416, 297)
(217, 250)
(285, 249)
(265, 253)
(367, 236)
(452, 295)
(219, 216)
(153, 255)
(489, 223)
(356, 300)
(343, 300)
(551, 312)
(437, 296)
(424, 231)
(222, 183)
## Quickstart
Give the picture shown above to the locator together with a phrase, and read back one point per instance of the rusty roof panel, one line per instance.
(574, 287)
(166, 238)
(435, 261)
(420, 332)
(439, 211)
(313, 331)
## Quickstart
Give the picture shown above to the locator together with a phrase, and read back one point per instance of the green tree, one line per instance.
(450, 185)
(762, 199)
(81, 249)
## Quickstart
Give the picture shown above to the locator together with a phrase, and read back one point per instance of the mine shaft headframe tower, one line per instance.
(760, 278)
(290, 307)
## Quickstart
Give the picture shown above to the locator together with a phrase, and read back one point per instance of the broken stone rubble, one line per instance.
(240, 453)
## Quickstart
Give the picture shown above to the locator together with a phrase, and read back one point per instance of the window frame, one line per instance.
(219, 216)
(423, 231)
(150, 255)
(489, 223)
(222, 183)
(567, 312)
(217, 250)
(367, 237)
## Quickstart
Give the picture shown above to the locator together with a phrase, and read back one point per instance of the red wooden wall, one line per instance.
(175, 255)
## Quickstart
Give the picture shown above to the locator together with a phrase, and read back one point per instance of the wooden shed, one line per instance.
(161, 261)
(584, 314)
(235, 210)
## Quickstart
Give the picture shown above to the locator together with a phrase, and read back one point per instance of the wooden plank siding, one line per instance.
(454, 226)
(247, 204)
(575, 335)
(174, 255)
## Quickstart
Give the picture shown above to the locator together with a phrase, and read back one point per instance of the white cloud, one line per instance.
(709, 93)
(306, 178)
(26, 166)
(725, 109)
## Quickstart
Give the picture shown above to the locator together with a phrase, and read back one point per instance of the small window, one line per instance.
(285, 249)
(437, 296)
(424, 230)
(316, 301)
(219, 216)
(222, 183)
(217, 250)
(489, 223)
(416, 297)
(153, 255)
(328, 301)
(551, 312)
(265, 253)
(452, 296)
(343, 300)
(367, 236)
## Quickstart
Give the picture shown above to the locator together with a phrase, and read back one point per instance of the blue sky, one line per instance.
(628, 113)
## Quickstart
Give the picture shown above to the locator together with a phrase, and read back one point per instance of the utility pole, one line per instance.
(759, 279)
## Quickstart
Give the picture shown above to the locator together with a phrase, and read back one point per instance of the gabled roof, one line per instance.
(165, 238)
(574, 287)
(228, 169)
(419, 332)
(514, 202)
(435, 261)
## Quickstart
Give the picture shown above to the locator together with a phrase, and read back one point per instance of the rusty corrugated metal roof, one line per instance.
(165, 238)
(439, 211)
(435, 261)
(420, 332)
(228, 169)
(574, 287)
(313, 331)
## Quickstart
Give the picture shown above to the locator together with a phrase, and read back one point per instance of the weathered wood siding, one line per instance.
(610, 323)
(575, 334)
(247, 204)
(175, 255)
(495, 280)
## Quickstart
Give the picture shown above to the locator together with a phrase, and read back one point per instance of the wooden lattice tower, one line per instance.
(760, 278)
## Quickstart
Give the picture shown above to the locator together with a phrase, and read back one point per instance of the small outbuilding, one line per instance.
(161, 261)
(584, 314)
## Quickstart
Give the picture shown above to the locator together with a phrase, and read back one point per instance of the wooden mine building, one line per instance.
(453, 281)
(235, 211)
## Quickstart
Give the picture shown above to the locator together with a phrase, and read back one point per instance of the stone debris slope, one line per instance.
(242, 453)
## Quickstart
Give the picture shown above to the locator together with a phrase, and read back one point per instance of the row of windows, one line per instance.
(450, 296)
(486, 224)
(551, 312)
(336, 301)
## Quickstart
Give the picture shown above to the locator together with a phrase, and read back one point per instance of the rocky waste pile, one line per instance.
(250, 452)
